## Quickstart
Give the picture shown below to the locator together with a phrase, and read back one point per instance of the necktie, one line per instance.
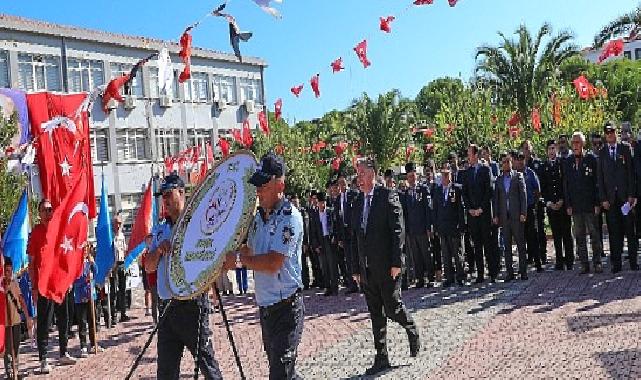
(612, 152)
(366, 207)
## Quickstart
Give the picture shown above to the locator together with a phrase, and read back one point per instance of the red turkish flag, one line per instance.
(315, 83)
(336, 163)
(63, 150)
(536, 120)
(237, 136)
(584, 88)
(452, 2)
(3, 306)
(337, 65)
(340, 147)
(278, 108)
(361, 52)
(224, 146)
(386, 23)
(62, 255)
(248, 139)
(423, 2)
(185, 55)
(611, 49)
(210, 154)
(262, 121)
(515, 119)
(296, 90)
(113, 91)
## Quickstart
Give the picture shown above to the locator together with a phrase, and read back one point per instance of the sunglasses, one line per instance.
(46, 209)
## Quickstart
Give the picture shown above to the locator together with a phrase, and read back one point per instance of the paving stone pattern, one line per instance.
(556, 325)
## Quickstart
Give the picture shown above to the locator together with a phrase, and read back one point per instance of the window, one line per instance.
(198, 137)
(627, 54)
(198, 87)
(132, 144)
(85, 75)
(153, 83)
(118, 69)
(637, 53)
(99, 144)
(225, 89)
(176, 85)
(168, 142)
(250, 90)
(4, 69)
(39, 72)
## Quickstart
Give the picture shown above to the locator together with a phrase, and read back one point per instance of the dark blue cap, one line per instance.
(270, 166)
(170, 182)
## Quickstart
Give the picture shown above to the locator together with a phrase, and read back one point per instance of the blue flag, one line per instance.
(25, 288)
(14, 242)
(105, 256)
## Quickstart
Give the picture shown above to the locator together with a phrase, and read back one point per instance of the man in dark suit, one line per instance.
(415, 200)
(510, 205)
(534, 163)
(560, 222)
(617, 187)
(497, 239)
(343, 227)
(477, 196)
(322, 238)
(312, 214)
(582, 202)
(449, 222)
(379, 234)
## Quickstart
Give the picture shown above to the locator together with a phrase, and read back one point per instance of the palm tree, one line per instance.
(627, 24)
(382, 126)
(521, 70)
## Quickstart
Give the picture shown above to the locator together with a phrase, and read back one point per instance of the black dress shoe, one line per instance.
(125, 318)
(540, 270)
(492, 279)
(558, 267)
(415, 343)
(523, 276)
(570, 267)
(420, 284)
(615, 270)
(585, 269)
(510, 277)
(479, 280)
(446, 284)
(380, 365)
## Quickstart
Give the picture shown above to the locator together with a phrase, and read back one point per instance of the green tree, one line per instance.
(434, 95)
(11, 185)
(624, 25)
(520, 70)
(382, 126)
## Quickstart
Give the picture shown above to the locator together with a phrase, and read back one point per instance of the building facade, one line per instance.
(130, 141)
(631, 50)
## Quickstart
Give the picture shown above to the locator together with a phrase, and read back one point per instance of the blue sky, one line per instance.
(426, 42)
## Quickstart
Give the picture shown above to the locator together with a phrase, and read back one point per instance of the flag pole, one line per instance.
(93, 314)
(13, 351)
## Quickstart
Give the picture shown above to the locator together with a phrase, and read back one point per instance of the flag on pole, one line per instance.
(105, 258)
(14, 241)
(144, 222)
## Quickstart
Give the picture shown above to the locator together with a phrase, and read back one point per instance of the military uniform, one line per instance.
(560, 222)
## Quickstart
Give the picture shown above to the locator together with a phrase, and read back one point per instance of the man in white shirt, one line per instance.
(322, 236)
(118, 280)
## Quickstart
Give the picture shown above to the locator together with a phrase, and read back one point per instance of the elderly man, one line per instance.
(118, 279)
(377, 217)
(273, 252)
(183, 323)
(582, 201)
(532, 190)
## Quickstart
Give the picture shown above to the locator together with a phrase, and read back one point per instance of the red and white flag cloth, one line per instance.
(63, 150)
(296, 90)
(386, 23)
(223, 144)
(611, 49)
(185, 55)
(247, 137)
(62, 255)
(584, 88)
(262, 121)
(315, 83)
(278, 109)
(361, 52)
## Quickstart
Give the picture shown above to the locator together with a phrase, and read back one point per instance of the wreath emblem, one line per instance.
(288, 234)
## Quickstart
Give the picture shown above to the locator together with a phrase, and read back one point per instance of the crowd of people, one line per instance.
(450, 224)
(462, 217)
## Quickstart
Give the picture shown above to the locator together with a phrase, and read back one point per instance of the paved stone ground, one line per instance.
(555, 325)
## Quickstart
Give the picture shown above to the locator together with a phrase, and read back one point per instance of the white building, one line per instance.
(631, 50)
(131, 140)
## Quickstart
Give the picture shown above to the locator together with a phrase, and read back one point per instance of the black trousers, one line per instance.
(345, 255)
(305, 267)
(540, 230)
(185, 324)
(46, 309)
(468, 250)
(480, 231)
(620, 226)
(117, 291)
(419, 248)
(435, 244)
(11, 338)
(317, 270)
(383, 296)
(561, 225)
(282, 328)
(84, 316)
(532, 237)
(330, 265)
